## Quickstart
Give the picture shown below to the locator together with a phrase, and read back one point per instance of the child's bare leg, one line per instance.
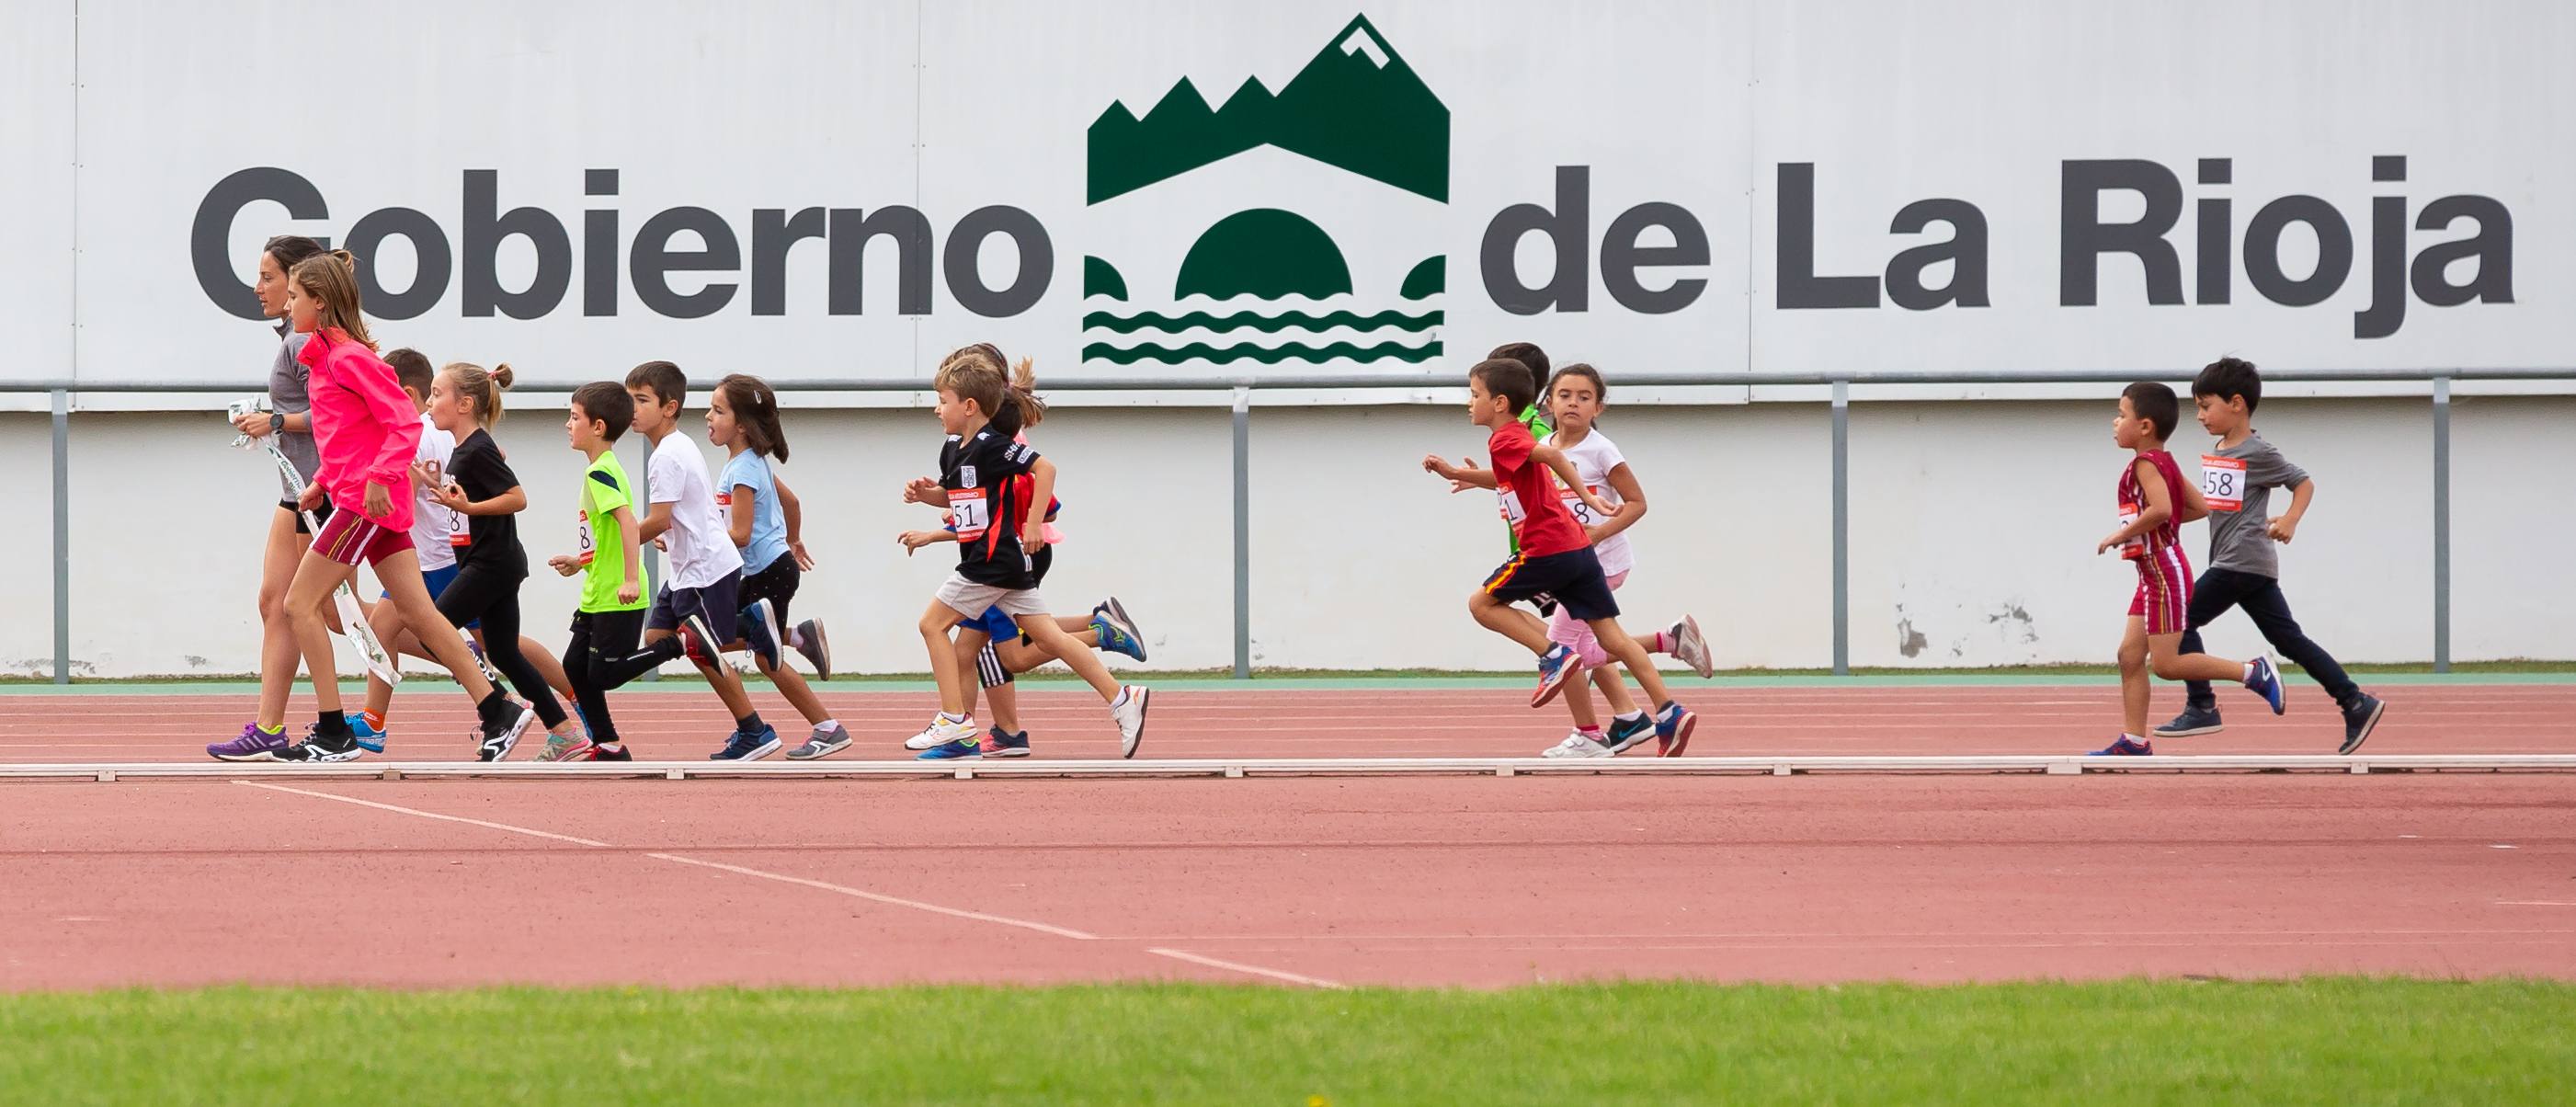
(1626, 651)
(792, 687)
(2134, 689)
(1083, 662)
(1510, 622)
(1006, 708)
(548, 667)
(306, 596)
(1578, 703)
(1020, 655)
(387, 622)
(935, 624)
(2173, 664)
(1612, 691)
(728, 685)
(410, 594)
(970, 641)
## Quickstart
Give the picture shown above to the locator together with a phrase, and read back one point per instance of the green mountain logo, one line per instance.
(1357, 107)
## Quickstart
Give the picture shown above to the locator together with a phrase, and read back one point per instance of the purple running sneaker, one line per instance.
(253, 745)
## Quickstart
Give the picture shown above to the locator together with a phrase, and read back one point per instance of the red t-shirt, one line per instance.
(1529, 499)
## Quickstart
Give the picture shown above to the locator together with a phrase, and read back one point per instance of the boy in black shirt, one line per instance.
(988, 482)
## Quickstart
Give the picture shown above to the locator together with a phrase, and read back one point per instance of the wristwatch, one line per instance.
(276, 421)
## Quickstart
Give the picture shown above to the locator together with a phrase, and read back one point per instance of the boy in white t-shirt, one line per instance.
(703, 587)
(1574, 398)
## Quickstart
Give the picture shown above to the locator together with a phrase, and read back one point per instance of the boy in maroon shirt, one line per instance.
(2154, 503)
(1554, 564)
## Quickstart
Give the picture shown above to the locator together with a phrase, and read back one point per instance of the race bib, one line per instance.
(971, 512)
(589, 549)
(1583, 513)
(2134, 548)
(2222, 482)
(1513, 512)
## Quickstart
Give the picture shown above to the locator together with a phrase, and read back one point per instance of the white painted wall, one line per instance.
(1972, 525)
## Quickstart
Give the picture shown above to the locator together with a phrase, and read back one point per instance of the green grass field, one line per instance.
(2325, 1041)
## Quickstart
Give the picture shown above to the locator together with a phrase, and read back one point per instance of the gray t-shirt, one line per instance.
(286, 393)
(2239, 539)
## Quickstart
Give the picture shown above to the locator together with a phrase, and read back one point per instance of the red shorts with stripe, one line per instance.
(350, 538)
(2164, 590)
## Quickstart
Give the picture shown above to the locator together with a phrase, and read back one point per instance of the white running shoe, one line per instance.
(1130, 713)
(1577, 744)
(1690, 648)
(941, 731)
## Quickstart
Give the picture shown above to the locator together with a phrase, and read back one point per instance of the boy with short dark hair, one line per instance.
(2154, 502)
(1554, 562)
(2244, 570)
(610, 619)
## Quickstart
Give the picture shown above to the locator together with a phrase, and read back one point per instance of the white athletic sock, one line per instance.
(827, 724)
(1632, 716)
(952, 718)
(2134, 738)
(2248, 678)
(1121, 701)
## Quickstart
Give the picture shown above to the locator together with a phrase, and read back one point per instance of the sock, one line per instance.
(613, 747)
(1121, 701)
(278, 729)
(1659, 643)
(375, 720)
(828, 724)
(493, 705)
(748, 724)
(2248, 678)
(2133, 738)
(1591, 731)
(1632, 716)
(332, 724)
(950, 717)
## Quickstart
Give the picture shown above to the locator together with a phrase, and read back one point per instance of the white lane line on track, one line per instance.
(1237, 966)
(837, 889)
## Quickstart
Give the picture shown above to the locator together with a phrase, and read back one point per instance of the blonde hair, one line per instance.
(484, 387)
(332, 280)
(1008, 397)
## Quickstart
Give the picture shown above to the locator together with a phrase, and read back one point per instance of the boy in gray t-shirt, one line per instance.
(2244, 570)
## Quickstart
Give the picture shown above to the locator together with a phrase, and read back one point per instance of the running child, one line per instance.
(437, 534)
(1556, 563)
(982, 406)
(366, 432)
(609, 623)
(742, 417)
(2154, 501)
(2244, 570)
(478, 489)
(1574, 399)
(705, 581)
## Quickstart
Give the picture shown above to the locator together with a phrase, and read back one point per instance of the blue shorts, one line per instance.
(438, 579)
(995, 625)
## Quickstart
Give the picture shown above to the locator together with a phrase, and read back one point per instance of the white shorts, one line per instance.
(969, 599)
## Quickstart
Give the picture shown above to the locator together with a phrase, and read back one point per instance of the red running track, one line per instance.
(1469, 880)
(1453, 880)
(431, 722)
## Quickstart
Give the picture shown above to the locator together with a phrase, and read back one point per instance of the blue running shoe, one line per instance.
(2125, 748)
(1118, 633)
(748, 747)
(1555, 667)
(2266, 682)
(1673, 726)
(760, 631)
(960, 749)
(2192, 723)
(999, 744)
(370, 739)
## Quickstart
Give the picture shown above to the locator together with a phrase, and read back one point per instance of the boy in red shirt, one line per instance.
(2154, 502)
(1555, 564)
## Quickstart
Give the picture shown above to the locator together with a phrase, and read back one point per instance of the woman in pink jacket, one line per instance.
(366, 431)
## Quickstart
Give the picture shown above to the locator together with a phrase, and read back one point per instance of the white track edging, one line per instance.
(2049, 764)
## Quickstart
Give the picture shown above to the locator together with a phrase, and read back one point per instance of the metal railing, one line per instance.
(1242, 388)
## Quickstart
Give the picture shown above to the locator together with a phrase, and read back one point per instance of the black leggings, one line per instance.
(493, 597)
(601, 640)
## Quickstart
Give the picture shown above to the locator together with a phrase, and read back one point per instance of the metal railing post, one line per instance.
(2441, 524)
(1842, 528)
(1242, 532)
(62, 536)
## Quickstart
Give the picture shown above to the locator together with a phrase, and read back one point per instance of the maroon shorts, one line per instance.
(350, 538)
(2164, 590)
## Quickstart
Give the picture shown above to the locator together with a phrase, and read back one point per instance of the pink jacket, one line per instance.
(364, 425)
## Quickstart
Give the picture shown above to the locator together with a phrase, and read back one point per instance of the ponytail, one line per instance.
(480, 388)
